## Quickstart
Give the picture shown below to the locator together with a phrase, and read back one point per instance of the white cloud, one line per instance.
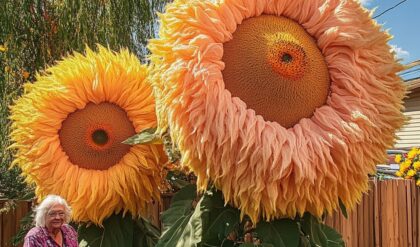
(400, 52)
(366, 2)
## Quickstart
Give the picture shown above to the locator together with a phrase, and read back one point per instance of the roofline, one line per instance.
(412, 64)
(413, 83)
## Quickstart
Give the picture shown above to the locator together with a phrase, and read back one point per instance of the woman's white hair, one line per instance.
(42, 209)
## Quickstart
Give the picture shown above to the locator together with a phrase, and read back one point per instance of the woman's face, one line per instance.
(55, 217)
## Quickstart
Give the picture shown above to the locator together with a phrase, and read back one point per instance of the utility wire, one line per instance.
(393, 7)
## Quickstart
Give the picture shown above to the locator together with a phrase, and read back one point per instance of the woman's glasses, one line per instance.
(53, 214)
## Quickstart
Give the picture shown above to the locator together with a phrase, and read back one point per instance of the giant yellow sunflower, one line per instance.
(68, 127)
(285, 105)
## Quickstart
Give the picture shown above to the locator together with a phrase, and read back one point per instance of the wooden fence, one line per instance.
(388, 216)
(9, 221)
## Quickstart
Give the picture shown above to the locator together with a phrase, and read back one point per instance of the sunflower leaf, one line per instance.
(208, 224)
(218, 219)
(146, 136)
(343, 208)
(145, 234)
(334, 239)
(117, 230)
(176, 217)
(283, 232)
(320, 234)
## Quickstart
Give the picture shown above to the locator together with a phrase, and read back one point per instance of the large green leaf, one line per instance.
(334, 239)
(279, 233)
(119, 230)
(320, 234)
(218, 219)
(210, 222)
(145, 234)
(177, 216)
(116, 231)
(311, 226)
(207, 224)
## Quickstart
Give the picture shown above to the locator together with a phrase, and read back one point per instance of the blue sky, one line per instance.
(403, 23)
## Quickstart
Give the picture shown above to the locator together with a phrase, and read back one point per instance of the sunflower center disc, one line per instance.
(276, 68)
(91, 137)
(100, 137)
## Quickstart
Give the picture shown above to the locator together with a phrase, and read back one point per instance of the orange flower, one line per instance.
(68, 128)
(285, 105)
(25, 74)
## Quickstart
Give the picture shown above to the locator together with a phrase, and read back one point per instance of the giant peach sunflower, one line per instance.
(286, 106)
(68, 127)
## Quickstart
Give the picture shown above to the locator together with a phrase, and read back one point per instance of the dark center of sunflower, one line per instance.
(100, 137)
(91, 137)
(286, 58)
(276, 68)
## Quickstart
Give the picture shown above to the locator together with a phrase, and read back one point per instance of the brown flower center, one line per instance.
(92, 136)
(276, 68)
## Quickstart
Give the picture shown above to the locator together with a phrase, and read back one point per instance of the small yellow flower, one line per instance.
(399, 174)
(418, 182)
(404, 166)
(7, 69)
(398, 158)
(411, 173)
(416, 165)
(3, 48)
(412, 153)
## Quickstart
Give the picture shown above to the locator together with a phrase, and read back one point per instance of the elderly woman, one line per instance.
(52, 230)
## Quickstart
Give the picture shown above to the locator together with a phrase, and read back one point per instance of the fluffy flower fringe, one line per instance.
(261, 167)
(118, 78)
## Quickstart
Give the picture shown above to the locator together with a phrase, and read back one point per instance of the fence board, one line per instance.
(377, 215)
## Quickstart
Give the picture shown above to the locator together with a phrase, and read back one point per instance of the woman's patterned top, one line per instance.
(39, 237)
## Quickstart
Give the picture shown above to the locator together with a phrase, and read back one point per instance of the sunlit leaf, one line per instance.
(177, 216)
(146, 136)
